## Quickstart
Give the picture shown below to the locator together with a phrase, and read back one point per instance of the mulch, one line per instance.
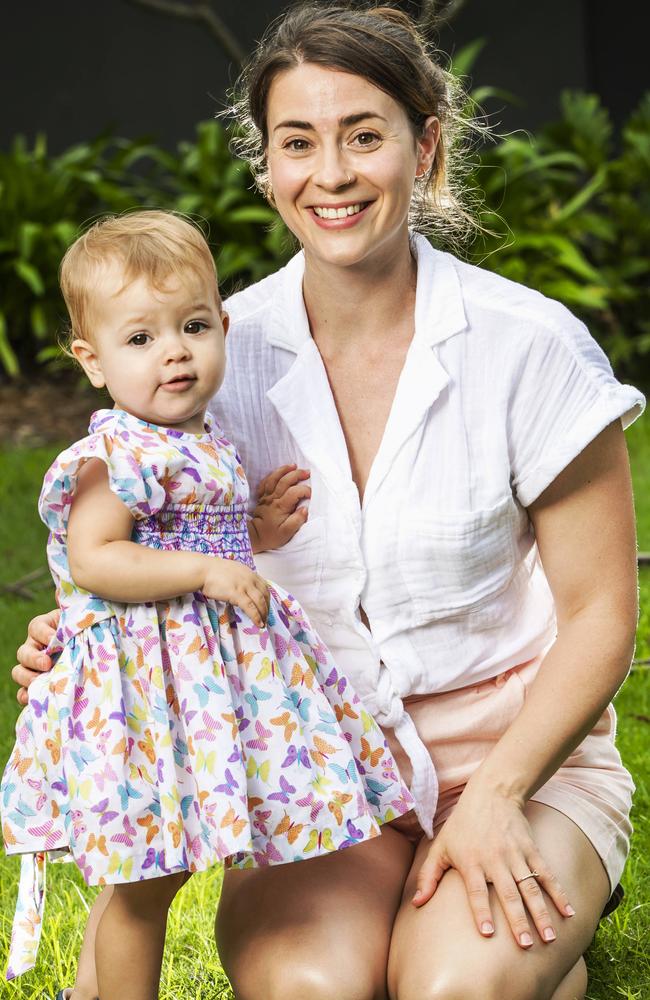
(52, 408)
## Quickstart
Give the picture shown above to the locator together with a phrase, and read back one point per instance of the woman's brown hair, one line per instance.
(384, 46)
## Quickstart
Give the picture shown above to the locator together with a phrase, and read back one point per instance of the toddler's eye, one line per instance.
(139, 339)
(196, 326)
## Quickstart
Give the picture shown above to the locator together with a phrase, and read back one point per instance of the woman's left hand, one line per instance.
(488, 839)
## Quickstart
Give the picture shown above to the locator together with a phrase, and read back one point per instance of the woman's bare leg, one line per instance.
(130, 938)
(85, 985)
(319, 929)
(437, 952)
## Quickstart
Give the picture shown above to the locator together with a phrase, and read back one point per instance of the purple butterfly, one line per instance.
(156, 858)
(228, 788)
(75, 730)
(286, 790)
(297, 755)
(106, 815)
(236, 756)
(333, 678)
(121, 715)
(354, 835)
(40, 707)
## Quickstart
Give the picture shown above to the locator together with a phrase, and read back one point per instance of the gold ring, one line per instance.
(523, 878)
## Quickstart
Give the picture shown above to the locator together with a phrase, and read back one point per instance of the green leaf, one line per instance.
(465, 58)
(8, 359)
(252, 213)
(30, 276)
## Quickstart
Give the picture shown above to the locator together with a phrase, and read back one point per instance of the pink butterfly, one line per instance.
(127, 836)
(314, 805)
(106, 774)
(263, 735)
(211, 727)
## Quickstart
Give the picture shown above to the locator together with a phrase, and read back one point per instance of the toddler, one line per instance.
(193, 716)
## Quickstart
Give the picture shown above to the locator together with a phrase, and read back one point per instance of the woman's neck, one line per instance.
(362, 303)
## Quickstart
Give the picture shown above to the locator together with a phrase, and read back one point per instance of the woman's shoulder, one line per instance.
(249, 306)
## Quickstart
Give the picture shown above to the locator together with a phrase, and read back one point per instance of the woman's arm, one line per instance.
(105, 562)
(584, 524)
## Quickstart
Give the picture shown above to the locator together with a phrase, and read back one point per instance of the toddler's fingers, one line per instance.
(270, 482)
(291, 479)
(292, 524)
(293, 496)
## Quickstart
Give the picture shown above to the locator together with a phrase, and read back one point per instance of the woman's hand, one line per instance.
(488, 839)
(32, 661)
(231, 581)
(277, 516)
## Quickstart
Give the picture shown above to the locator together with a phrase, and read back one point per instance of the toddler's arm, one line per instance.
(277, 516)
(104, 561)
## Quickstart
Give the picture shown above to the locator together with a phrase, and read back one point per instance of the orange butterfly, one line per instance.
(175, 830)
(231, 819)
(243, 659)
(98, 842)
(300, 676)
(322, 752)
(23, 764)
(346, 709)
(97, 723)
(86, 621)
(54, 746)
(147, 747)
(152, 829)
(172, 700)
(120, 747)
(58, 687)
(292, 830)
(254, 801)
(340, 799)
(229, 717)
(91, 674)
(8, 835)
(198, 646)
(202, 797)
(367, 753)
(289, 726)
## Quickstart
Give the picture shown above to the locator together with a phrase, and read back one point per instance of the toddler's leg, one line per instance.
(130, 938)
(85, 987)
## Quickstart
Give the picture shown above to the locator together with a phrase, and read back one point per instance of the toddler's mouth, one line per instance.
(178, 383)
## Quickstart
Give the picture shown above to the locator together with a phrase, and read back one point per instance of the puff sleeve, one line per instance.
(563, 394)
(131, 478)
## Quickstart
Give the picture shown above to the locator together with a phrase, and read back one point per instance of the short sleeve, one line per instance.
(563, 394)
(132, 481)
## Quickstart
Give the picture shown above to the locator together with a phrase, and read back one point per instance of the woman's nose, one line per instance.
(332, 171)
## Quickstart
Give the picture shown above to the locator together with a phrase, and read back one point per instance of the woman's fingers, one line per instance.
(513, 907)
(41, 629)
(536, 905)
(432, 870)
(550, 883)
(479, 899)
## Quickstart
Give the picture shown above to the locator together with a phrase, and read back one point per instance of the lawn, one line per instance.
(618, 960)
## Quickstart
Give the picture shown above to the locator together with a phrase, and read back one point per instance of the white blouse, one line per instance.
(500, 390)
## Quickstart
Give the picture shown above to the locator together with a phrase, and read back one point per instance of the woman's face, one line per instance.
(342, 161)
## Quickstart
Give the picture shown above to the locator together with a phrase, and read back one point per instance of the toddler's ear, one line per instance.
(84, 353)
(225, 322)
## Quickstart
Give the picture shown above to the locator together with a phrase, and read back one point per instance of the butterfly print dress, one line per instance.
(170, 736)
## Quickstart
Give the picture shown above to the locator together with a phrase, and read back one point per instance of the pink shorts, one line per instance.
(459, 728)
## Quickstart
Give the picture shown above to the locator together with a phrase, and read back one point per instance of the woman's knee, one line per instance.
(317, 980)
(461, 983)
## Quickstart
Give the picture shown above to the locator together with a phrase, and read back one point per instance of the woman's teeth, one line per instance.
(336, 213)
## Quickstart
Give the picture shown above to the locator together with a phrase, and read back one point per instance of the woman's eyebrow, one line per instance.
(346, 120)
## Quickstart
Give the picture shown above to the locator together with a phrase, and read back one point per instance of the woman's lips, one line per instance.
(346, 222)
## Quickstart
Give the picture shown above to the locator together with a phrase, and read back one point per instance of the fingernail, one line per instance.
(417, 894)
(487, 927)
(570, 912)
(549, 934)
(525, 940)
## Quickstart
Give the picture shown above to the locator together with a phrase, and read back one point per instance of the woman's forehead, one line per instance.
(318, 95)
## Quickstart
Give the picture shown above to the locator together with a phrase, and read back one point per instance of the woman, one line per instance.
(469, 555)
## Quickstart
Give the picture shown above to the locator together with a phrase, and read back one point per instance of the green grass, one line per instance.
(618, 961)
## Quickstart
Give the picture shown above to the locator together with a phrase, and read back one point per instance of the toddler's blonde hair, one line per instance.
(151, 243)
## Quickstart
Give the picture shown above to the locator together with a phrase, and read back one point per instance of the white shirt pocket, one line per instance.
(298, 565)
(454, 565)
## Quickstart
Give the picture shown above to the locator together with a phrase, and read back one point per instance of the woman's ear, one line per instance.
(85, 354)
(427, 144)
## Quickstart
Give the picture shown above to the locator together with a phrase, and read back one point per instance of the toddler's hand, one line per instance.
(227, 580)
(277, 516)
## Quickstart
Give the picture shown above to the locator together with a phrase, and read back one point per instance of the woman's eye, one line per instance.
(366, 138)
(196, 326)
(139, 339)
(297, 145)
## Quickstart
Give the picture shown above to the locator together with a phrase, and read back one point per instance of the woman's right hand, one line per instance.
(32, 661)
(231, 581)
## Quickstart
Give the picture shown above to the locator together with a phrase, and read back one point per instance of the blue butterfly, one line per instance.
(254, 696)
(82, 757)
(208, 687)
(347, 774)
(294, 702)
(126, 792)
(8, 789)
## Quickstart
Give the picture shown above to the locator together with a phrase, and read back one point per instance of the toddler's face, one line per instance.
(160, 353)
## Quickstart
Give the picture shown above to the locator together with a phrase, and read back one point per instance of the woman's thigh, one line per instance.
(319, 928)
(436, 951)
